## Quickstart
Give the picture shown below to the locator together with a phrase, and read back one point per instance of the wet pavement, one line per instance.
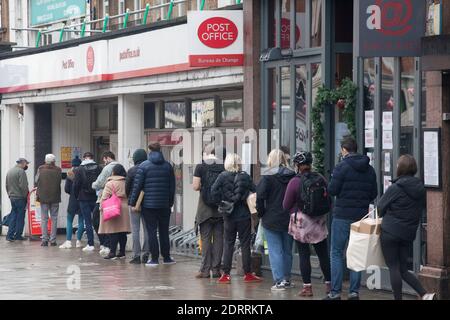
(28, 271)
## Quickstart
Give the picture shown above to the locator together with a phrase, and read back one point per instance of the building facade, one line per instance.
(136, 92)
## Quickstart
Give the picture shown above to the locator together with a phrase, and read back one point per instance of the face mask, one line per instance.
(25, 168)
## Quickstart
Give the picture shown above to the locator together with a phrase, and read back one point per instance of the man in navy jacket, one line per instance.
(354, 184)
(156, 178)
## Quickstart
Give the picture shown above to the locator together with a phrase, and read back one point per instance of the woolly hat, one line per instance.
(76, 162)
(140, 155)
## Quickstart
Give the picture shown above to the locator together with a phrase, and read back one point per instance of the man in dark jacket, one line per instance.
(354, 184)
(17, 189)
(49, 195)
(156, 178)
(139, 156)
(84, 176)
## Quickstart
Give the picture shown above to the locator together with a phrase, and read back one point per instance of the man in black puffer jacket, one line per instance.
(354, 184)
(156, 178)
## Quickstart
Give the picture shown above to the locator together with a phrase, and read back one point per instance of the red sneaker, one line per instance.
(225, 278)
(250, 277)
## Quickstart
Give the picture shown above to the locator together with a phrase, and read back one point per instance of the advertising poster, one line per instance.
(388, 143)
(369, 138)
(386, 182)
(431, 158)
(66, 157)
(369, 119)
(34, 215)
(387, 120)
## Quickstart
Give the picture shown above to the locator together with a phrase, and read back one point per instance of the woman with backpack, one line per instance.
(275, 220)
(308, 228)
(401, 208)
(231, 190)
(118, 227)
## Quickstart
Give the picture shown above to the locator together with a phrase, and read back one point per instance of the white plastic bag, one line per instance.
(364, 246)
(259, 241)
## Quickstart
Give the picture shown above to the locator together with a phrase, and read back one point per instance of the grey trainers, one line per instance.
(332, 296)
(429, 296)
(353, 296)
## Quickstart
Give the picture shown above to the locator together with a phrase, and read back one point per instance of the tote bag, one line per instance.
(364, 246)
(111, 207)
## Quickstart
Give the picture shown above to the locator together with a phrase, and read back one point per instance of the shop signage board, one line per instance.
(391, 28)
(216, 38)
(34, 215)
(44, 12)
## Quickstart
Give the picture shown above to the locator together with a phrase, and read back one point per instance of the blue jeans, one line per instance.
(340, 233)
(17, 218)
(280, 254)
(69, 228)
(86, 208)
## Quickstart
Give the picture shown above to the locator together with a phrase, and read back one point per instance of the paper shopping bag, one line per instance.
(364, 246)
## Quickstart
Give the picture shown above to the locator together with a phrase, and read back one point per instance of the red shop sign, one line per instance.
(217, 32)
(286, 33)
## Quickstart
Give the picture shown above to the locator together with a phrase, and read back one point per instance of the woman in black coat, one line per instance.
(401, 208)
(73, 208)
(234, 185)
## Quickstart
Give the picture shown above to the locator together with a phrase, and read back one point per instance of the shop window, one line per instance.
(343, 17)
(101, 116)
(387, 107)
(369, 107)
(202, 113)
(149, 115)
(301, 108)
(316, 81)
(285, 24)
(286, 116)
(407, 105)
(230, 110)
(174, 115)
(272, 39)
(114, 121)
(300, 24)
(316, 23)
(272, 103)
(105, 7)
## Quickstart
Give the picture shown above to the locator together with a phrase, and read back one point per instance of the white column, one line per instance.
(130, 127)
(10, 134)
(27, 140)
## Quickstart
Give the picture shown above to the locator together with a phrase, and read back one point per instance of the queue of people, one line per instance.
(292, 204)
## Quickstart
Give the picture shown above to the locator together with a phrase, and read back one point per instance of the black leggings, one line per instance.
(395, 253)
(118, 238)
(304, 253)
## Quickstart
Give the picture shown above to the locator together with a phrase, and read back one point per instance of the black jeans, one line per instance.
(244, 229)
(396, 253)
(118, 238)
(304, 253)
(157, 221)
(103, 238)
(211, 233)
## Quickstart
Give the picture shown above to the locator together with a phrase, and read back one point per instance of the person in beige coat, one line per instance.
(117, 228)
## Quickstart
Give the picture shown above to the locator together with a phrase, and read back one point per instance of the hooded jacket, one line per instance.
(228, 189)
(402, 206)
(354, 184)
(80, 180)
(131, 174)
(73, 207)
(269, 198)
(156, 178)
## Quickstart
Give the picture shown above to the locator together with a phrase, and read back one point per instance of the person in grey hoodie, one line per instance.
(109, 159)
(17, 189)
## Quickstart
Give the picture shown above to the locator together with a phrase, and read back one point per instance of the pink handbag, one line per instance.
(111, 207)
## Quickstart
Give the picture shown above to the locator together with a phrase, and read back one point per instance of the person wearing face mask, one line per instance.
(17, 189)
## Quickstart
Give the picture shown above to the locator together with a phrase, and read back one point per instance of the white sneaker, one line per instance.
(89, 248)
(79, 244)
(429, 296)
(101, 248)
(66, 245)
(104, 252)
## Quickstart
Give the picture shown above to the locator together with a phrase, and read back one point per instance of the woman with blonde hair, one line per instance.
(232, 188)
(275, 220)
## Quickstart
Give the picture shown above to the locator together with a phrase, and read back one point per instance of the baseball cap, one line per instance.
(22, 160)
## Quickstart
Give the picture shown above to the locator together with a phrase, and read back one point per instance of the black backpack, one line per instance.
(210, 176)
(314, 199)
(90, 174)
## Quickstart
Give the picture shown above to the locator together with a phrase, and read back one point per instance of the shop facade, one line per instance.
(120, 92)
(309, 43)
